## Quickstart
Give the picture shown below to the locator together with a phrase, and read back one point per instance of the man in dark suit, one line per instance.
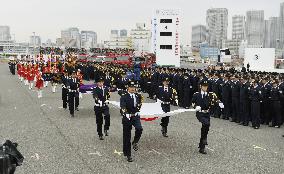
(244, 101)
(73, 85)
(202, 101)
(227, 97)
(101, 96)
(64, 81)
(130, 104)
(166, 95)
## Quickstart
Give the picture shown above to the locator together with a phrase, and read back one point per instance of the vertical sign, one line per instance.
(177, 38)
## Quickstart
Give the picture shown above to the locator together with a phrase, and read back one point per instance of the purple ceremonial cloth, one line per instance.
(87, 88)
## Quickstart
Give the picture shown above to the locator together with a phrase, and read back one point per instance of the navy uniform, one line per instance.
(154, 85)
(256, 98)
(236, 100)
(180, 89)
(130, 104)
(73, 93)
(122, 82)
(166, 95)
(109, 80)
(275, 95)
(202, 101)
(64, 81)
(227, 98)
(187, 94)
(12, 67)
(101, 96)
(244, 101)
(216, 88)
(281, 87)
(266, 113)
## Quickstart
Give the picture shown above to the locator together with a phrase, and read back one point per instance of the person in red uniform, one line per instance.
(39, 83)
(31, 77)
(19, 69)
(25, 74)
(55, 79)
(46, 70)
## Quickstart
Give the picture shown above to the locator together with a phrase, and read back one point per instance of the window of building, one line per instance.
(166, 47)
(166, 21)
(166, 33)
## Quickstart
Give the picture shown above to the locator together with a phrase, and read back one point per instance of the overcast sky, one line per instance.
(48, 17)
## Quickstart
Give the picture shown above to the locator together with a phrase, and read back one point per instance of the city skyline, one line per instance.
(48, 18)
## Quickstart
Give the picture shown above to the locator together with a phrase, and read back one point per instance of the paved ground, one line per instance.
(54, 143)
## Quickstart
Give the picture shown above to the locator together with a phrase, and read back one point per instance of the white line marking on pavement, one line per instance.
(36, 156)
(258, 147)
(96, 153)
(154, 151)
(42, 105)
(210, 149)
(119, 153)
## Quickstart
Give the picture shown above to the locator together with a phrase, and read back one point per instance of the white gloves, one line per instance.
(107, 102)
(159, 101)
(137, 114)
(100, 102)
(221, 105)
(127, 116)
(197, 108)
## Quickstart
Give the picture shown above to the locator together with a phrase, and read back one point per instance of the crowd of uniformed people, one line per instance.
(239, 96)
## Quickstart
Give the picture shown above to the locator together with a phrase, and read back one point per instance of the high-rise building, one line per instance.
(271, 33)
(117, 41)
(114, 33)
(281, 26)
(166, 36)
(238, 34)
(88, 39)
(141, 38)
(123, 33)
(199, 35)
(255, 28)
(238, 27)
(217, 24)
(35, 41)
(5, 33)
(71, 37)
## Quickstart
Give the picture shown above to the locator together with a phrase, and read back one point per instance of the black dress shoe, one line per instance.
(135, 146)
(101, 137)
(129, 159)
(165, 135)
(106, 133)
(164, 132)
(205, 142)
(202, 151)
(282, 135)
